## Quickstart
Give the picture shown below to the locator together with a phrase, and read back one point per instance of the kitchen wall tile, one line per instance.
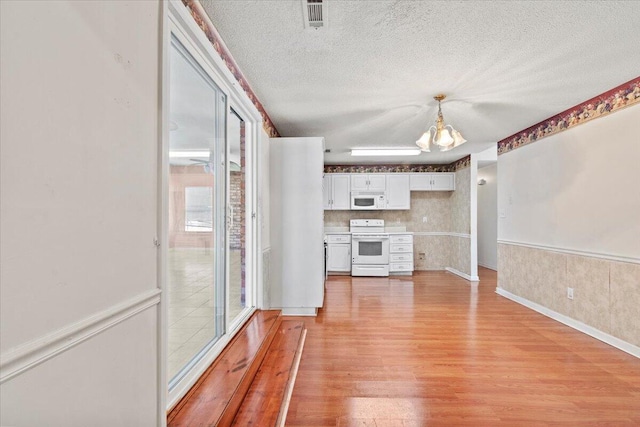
(437, 250)
(527, 273)
(589, 278)
(550, 289)
(461, 254)
(505, 264)
(606, 293)
(434, 205)
(625, 301)
(461, 203)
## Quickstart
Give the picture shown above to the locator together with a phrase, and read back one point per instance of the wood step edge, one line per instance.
(267, 393)
(234, 404)
(293, 374)
(171, 415)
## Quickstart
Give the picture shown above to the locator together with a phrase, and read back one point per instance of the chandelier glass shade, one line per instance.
(442, 136)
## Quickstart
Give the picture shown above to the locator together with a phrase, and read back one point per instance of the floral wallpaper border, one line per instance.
(202, 20)
(462, 163)
(615, 99)
(385, 168)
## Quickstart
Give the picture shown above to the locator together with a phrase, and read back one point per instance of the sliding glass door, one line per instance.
(238, 297)
(197, 225)
(208, 286)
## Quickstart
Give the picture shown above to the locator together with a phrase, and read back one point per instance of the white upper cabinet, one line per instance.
(368, 182)
(326, 191)
(336, 191)
(439, 181)
(341, 192)
(398, 193)
(443, 181)
(377, 182)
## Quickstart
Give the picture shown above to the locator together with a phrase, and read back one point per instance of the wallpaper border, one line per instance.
(204, 22)
(459, 164)
(622, 96)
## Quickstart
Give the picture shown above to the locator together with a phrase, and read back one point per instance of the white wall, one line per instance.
(79, 140)
(568, 209)
(264, 207)
(297, 230)
(577, 189)
(488, 217)
(263, 190)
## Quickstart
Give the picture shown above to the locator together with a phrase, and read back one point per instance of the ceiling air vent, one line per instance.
(315, 13)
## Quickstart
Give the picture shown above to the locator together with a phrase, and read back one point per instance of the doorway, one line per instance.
(208, 263)
(196, 205)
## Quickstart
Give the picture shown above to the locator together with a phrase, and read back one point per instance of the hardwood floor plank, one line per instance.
(441, 352)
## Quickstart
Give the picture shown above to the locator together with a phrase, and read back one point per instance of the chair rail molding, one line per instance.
(31, 354)
(442, 233)
(600, 255)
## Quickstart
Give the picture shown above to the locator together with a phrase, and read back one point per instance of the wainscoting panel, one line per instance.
(606, 293)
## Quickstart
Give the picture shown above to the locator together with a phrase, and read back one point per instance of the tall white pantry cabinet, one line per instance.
(297, 225)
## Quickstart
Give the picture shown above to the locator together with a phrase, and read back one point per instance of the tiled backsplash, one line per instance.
(435, 206)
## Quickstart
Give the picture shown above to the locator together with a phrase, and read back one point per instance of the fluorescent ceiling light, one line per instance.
(385, 151)
(188, 154)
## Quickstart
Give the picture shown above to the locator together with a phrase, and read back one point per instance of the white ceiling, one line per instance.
(368, 78)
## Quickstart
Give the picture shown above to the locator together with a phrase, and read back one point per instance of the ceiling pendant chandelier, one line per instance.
(445, 137)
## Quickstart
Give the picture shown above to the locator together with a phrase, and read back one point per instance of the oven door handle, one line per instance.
(368, 237)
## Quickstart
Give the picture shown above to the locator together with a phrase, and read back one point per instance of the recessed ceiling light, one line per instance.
(385, 151)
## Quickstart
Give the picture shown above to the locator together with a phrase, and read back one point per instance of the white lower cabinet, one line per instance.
(401, 254)
(339, 253)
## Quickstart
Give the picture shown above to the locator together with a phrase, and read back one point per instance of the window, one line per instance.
(198, 209)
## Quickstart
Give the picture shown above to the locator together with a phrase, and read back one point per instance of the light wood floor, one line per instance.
(433, 350)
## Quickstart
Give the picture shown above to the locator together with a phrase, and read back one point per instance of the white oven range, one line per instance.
(369, 248)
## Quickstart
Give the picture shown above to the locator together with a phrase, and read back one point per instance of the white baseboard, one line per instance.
(31, 354)
(572, 323)
(490, 267)
(300, 311)
(463, 275)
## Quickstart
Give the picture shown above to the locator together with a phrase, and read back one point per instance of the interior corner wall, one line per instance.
(79, 207)
(264, 207)
(461, 223)
(568, 208)
(488, 217)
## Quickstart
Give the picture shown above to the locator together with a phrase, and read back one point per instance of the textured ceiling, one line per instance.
(367, 79)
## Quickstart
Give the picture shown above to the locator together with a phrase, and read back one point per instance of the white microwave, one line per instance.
(368, 200)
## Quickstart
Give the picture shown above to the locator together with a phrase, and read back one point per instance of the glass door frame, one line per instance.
(178, 22)
(249, 208)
